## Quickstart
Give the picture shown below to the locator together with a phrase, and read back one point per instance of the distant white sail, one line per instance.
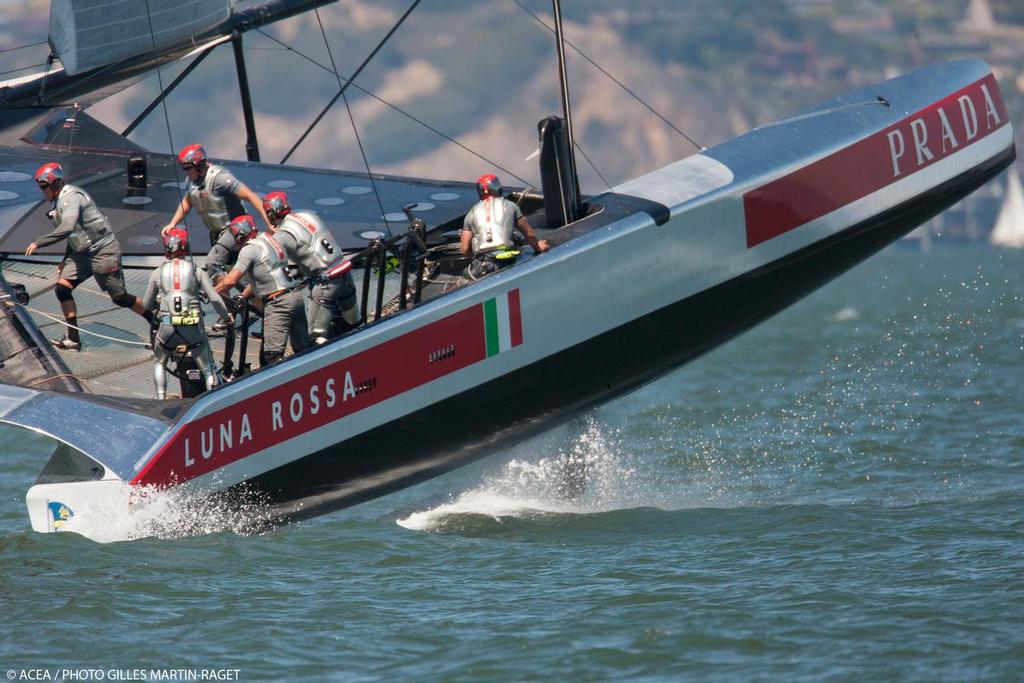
(86, 34)
(1009, 230)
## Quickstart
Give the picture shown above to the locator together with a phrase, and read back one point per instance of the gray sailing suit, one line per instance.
(93, 250)
(174, 291)
(492, 221)
(214, 197)
(222, 255)
(308, 242)
(263, 260)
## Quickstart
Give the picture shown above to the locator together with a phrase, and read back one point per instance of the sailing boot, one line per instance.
(70, 341)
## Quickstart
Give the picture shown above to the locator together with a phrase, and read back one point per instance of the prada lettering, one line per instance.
(941, 131)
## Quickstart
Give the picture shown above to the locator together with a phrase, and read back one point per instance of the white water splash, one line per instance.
(846, 314)
(610, 478)
(143, 512)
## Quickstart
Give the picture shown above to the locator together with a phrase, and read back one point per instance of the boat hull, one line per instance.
(678, 262)
(534, 398)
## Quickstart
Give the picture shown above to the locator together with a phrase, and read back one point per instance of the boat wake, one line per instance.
(593, 474)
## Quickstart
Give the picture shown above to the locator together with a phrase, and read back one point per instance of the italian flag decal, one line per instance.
(503, 324)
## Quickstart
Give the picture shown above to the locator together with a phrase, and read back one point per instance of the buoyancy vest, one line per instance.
(493, 220)
(212, 209)
(179, 287)
(274, 261)
(316, 248)
(92, 228)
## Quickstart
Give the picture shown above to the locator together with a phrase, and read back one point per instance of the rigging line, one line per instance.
(825, 112)
(402, 112)
(22, 68)
(350, 78)
(170, 138)
(72, 83)
(163, 94)
(50, 378)
(42, 81)
(615, 80)
(611, 190)
(351, 118)
(64, 322)
(22, 47)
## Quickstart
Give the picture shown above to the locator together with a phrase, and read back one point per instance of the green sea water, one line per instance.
(836, 495)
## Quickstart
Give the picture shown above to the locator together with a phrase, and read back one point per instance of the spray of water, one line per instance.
(144, 512)
(593, 473)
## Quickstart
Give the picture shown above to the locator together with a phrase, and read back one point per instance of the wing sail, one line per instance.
(87, 34)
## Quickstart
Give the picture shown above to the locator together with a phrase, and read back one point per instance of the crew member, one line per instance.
(174, 291)
(217, 196)
(487, 232)
(92, 249)
(312, 247)
(263, 261)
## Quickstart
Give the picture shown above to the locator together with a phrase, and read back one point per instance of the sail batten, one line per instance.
(87, 34)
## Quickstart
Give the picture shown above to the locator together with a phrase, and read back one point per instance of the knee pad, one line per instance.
(63, 293)
(124, 300)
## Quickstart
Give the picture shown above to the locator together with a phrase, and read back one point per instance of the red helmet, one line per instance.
(488, 185)
(243, 229)
(276, 206)
(50, 174)
(176, 243)
(192, 154)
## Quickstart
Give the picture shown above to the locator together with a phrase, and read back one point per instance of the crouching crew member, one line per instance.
(488, 229)
(311, 246)
(263, 261)
(92, 249)
(174, 290)
(217, 195)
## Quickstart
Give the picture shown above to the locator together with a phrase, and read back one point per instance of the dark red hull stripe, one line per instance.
(916, 142)
(515, 318)
(325, 395)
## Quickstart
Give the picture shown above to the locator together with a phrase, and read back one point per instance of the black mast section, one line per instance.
(573, 201)
(252, 149)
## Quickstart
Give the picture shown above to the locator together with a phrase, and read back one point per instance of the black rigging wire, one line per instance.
(611, 190)
(341, 90)
(22, 68)
(397, 109)
(164, 93)
(615, 80)
(22, 47)
(355, 130)
(42, 81)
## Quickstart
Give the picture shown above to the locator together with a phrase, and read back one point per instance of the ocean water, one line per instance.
(836, 495)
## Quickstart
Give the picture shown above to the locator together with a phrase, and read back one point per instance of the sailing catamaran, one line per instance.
(639, 280)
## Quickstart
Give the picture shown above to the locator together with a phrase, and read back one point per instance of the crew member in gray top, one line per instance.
(174, 291)
(263, 261)
(215, 193)
(488, 229)
(312, 247)
(92, 249)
